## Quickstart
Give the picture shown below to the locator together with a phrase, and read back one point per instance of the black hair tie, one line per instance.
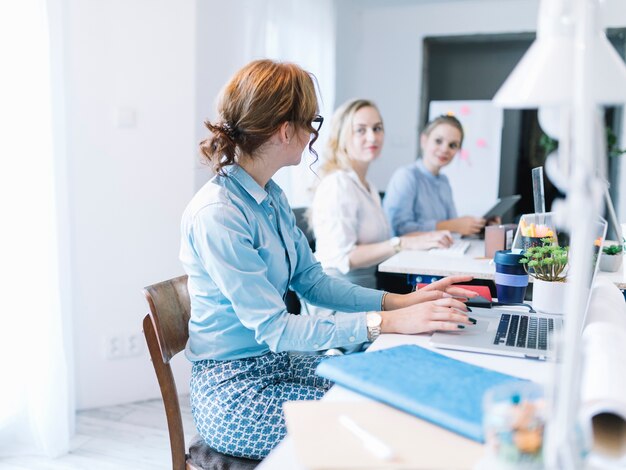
(230, 131)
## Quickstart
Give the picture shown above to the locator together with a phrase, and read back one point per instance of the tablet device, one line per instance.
(502, 206)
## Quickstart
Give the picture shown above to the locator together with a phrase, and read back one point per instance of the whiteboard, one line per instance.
(474, 173)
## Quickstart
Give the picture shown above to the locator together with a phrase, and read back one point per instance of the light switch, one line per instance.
(125, 118)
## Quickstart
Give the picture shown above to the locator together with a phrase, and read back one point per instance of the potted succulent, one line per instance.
(611, 258)
(547, 264)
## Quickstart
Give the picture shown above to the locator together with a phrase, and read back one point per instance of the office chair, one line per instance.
(303, 224)
(166, 331)
(291, 299)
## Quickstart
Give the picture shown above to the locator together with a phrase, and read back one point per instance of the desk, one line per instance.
(284, 456)
(472, 263)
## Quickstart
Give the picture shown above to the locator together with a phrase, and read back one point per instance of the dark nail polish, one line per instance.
(460, 326)
(468, 309)
(473, 320)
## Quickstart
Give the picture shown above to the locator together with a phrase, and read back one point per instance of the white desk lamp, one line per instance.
(571, 65)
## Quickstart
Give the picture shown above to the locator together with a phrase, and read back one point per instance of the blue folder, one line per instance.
(434, 387)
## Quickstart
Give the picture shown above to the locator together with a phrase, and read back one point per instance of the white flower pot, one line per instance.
(549, 297)
(611, 263)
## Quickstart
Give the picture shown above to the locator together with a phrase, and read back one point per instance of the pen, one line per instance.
(370, 442)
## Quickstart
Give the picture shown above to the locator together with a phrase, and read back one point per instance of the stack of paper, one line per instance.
(603, 393)
(322, 443)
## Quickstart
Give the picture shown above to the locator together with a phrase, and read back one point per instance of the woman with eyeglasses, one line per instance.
(418, 196)
(242, 250)
(351, 230)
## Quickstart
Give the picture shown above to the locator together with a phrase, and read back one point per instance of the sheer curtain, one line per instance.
(304, 33)
(36, 414)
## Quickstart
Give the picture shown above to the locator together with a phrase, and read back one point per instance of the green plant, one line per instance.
(613, 249)
(611, 144)
(549, 145)
(547, 262)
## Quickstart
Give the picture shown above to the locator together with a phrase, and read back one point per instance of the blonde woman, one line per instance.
(351, 229)
(419, 196)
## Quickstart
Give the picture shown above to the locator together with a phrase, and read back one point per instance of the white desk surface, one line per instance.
(472, 263)
(284, 456)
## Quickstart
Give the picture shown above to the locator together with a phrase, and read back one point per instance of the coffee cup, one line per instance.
(511, 279)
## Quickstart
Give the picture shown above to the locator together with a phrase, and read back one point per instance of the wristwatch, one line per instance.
(396, 243)
(373, 321)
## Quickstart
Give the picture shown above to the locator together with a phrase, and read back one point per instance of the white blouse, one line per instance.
(346, 214)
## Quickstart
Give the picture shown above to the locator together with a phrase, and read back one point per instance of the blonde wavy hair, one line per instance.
(336, 152)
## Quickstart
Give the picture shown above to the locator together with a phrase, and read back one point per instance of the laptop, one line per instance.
(512, 331)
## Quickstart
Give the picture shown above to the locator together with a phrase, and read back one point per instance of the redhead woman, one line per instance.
(242, 250)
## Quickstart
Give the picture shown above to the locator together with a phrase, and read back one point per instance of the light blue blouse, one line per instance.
(242, 250)
(416, 199)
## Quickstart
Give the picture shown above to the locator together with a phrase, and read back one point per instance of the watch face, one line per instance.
(374, 319)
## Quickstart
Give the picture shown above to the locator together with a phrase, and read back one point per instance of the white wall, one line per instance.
(220, 52)
(379, 56)
(127, 186)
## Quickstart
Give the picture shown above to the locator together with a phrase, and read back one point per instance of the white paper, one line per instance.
(603, 388)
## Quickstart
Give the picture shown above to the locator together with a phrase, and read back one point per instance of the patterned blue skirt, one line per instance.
(237, 405)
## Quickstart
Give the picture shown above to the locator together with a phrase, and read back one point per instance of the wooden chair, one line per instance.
(166, 331)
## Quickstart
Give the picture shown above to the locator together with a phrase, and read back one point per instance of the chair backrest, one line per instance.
(170, 309)
(166, 331)
(303, 224)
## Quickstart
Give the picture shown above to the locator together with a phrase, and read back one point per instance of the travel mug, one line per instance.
(511, 278)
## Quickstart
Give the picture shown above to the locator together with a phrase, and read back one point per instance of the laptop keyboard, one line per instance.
(458, 248)
(524, 331)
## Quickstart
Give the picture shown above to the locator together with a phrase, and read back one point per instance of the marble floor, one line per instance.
(132, 436)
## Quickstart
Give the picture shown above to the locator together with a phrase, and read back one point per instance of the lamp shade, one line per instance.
(544, 75)
(541, 78)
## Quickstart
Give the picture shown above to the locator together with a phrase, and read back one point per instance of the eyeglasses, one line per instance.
(317, 122)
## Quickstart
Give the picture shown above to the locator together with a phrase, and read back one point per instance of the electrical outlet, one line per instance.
(123, 346)
(114, 347)
(134, 344)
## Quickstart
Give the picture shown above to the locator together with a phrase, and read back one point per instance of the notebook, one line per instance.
(483, 299)
(424, 383)
(512, 331)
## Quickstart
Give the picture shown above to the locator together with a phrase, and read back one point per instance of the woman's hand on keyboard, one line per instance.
(427, 240)
(442, 314)
(442, 289)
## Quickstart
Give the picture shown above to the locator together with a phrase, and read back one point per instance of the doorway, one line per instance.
(473, 68)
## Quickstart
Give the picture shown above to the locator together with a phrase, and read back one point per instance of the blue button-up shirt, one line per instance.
(416, 199)
(242, 250)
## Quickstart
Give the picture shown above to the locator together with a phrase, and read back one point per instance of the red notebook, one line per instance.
(484, 298)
